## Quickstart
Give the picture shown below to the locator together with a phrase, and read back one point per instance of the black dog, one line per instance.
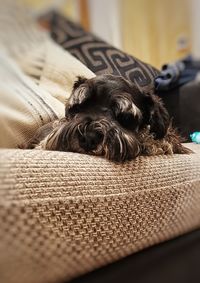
(105, 116)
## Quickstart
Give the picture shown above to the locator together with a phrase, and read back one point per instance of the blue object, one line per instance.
(195, 137)
(176, 74)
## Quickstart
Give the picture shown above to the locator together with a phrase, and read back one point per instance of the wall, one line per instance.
(195, 22)
(105, 20)
(156, 31)
(70, 8)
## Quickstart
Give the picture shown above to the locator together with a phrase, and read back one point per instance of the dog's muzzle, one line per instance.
(100, 137)
(90, 139)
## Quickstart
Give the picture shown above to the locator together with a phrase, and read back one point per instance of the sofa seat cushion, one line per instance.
(64, 214)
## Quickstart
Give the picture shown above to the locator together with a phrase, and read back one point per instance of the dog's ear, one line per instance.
(79, 81)
(158, 117)
(80, 92)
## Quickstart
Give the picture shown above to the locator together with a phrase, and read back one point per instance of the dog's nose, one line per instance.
(91, 140)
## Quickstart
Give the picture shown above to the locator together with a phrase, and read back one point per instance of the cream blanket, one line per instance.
(38, 75)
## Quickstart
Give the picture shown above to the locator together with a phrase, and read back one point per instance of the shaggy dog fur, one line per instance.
(107, 116)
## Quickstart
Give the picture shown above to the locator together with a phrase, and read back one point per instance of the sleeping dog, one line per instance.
(108, 116)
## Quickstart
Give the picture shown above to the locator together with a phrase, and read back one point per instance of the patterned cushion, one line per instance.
(99, 56)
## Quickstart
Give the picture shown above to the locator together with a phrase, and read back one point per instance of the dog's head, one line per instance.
(106, 113)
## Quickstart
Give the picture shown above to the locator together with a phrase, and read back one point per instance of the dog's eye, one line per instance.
(105, 110)
(72, 111)
(127, 121)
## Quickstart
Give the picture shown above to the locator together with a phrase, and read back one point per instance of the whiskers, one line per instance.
(107, 139)
(114, 145)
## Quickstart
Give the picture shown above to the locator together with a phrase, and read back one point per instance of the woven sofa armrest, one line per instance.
(64, 214)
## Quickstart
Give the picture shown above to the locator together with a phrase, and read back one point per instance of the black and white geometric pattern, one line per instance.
(99, 56)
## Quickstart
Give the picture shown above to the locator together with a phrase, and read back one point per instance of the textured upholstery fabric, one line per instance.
(63, 214)
(99, 56)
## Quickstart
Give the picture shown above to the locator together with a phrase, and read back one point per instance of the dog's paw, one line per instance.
(181, 149)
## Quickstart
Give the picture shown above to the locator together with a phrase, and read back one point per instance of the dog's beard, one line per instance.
(116, 144)
(61, 138)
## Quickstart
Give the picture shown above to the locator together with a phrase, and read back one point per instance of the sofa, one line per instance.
(65, 215)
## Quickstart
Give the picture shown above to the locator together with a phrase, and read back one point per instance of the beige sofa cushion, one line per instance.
(63, 214)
